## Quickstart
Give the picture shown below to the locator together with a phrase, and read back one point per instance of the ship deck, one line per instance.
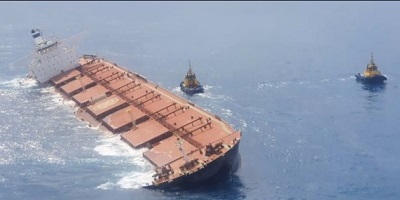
(181, 138)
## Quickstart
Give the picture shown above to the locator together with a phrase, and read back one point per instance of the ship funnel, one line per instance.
(38, 37)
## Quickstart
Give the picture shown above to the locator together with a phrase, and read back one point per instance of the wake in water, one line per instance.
(206, 95)
(20, 82)
(272, 84)
(114, 147)
(133, 170)
(281, 84)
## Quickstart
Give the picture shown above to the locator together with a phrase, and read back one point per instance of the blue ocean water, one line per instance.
(282, 72)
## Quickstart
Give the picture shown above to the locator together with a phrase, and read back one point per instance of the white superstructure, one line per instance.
(51, 57)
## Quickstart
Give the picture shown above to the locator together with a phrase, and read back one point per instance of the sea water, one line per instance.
(282, 72)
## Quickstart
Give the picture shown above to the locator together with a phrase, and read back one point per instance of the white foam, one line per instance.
(227, 112)
(207, 87)
(212, 96)
(112, 145)
(244, 124)
(19, 82)
(136, 180)
(105, 186)
(8, 94)
(5, 46)
(131, 180)
(256, 129)
(176, 90)
(6, 161)
(55, 159)
(2, 179)
(263, 85)
(56, 99)
(51, 107)
(304, 82)
(348, 78)
(48, 90)
(272, 84)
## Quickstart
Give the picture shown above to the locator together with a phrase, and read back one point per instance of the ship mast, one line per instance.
(372, 57)
(190, 69)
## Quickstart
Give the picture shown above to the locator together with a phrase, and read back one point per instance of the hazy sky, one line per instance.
(241, 35)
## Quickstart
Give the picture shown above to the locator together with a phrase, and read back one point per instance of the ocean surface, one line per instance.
(282, 72)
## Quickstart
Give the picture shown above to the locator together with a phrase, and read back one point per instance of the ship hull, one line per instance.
(371, 80)
(192, 91)
(220, 168)
(186, 144)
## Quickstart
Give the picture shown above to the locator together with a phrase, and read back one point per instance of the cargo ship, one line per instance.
(371, 74)
(185, 143)
(190, 85)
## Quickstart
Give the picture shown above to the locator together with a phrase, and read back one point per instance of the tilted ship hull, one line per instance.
(186, 144)
(220, 168)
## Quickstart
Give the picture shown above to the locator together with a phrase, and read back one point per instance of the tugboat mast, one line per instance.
(372, 57)
(190, 73)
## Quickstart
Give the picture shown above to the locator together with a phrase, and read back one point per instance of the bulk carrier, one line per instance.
(185, 143)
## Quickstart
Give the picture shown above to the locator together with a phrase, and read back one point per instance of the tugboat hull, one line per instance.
(371, 80)
(192, 91)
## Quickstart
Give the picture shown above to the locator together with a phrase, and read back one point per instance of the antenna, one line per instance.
(372, 57)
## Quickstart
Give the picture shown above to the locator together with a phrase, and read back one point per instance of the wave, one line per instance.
(206, 95)
(212, 96)
(29, 150)
(207, 87)
(136, 180)
(112, 145)
(272, 84)
(19, 82)
(115, 147)
(226, 112)
(177, 90)
(352, 77)
(281, 84)
(130, 180)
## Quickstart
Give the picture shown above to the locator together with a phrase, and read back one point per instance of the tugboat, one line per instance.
(371, 74)
(190, 85)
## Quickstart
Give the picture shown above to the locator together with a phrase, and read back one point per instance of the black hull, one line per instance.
(192, 91)
(222, 167)
(371, 80)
